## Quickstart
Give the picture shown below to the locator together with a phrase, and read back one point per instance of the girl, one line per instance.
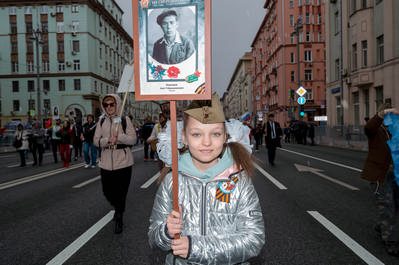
(65, 135)
(220, 219)
(23, 136)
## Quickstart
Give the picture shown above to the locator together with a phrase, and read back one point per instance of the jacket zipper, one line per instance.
(112, 150)
(203, 210)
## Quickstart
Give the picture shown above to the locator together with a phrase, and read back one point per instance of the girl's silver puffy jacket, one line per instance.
(221, 232)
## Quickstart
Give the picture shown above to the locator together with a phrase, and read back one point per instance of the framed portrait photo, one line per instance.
(172, 49)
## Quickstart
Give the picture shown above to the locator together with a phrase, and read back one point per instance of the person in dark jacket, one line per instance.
(378, 170)
(87, 135)
(37, 139)
(66, 136)
(145, 134)
(76, 141)
(273, 136)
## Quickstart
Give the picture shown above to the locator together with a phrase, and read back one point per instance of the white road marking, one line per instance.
(80, 241)
(344, 238)
(270, 177)
(20, 181)
(150, 181)
(86, 182)
(323, 160)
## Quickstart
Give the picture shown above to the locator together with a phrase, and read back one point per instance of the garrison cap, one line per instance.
(208, 114)
(169, 12)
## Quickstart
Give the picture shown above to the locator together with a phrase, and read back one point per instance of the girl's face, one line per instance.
(205, 142)
(110, 106)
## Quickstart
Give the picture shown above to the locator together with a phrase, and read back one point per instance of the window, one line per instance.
(60, 27)
(47, 105)
(75, 26)
(101, 53)
(308, 75)
(364, 4)
(308, 56)
(319, 36)
(292, 57)
(61, 66)
(15, 105)
(337, 69)
(364, 53)
(76, 84)
(43, 9)
(29, 47)
(60, 46)
(13, 29)
(15, 86)
(291, 3)
(76, 47)
(29, 67)
(318, 2)
(378, 1)
(61, 85)
(307, 18)
(292, 39)
(319, 18)
(367, 103)
(46, 86)
(380, 49)
(292, 76)
(95, 87)
(14, 67)
(354, 56)
(14, 47)
(336, 24)
(44, 27)
(299, 2)
(13, 10)
(44, 47)
(356, 114)
(309, 94)
(31, 86)
(75, 8)
(308, 39)
(28, 10)
(300, 36)
(379, 96)
(354, 5)
(292, 22)
(307, 2)
(76, 65)
(60, 8)
(46, 66)
(29, 28)
(31, 104)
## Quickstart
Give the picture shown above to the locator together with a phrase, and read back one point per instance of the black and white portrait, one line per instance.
(172, 37)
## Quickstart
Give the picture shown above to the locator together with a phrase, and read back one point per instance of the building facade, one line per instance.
(289, 26)
(82, 50)
(239, 88)
(363, 58)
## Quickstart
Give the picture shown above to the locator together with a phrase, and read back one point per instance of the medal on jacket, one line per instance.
(223, 192)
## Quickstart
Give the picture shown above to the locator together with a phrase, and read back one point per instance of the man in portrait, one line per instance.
(172, 48)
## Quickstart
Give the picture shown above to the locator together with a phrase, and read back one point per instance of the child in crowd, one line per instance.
(219, 220)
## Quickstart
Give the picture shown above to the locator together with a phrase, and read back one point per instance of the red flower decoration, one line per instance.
(197, 74)
(173, 72)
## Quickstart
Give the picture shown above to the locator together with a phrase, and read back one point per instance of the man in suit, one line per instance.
(273, 134)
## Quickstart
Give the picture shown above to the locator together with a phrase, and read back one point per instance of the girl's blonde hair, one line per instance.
(242, 158)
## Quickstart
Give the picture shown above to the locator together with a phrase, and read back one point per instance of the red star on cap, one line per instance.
(197, 74)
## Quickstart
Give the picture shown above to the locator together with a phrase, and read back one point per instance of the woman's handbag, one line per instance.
(17, 143)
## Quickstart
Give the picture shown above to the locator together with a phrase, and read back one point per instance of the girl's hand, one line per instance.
(180, 247)
(174, 222)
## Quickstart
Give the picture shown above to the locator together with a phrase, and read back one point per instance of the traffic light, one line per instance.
(301, 111)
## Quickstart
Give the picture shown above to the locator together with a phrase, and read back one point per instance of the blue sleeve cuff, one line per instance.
(167, 234)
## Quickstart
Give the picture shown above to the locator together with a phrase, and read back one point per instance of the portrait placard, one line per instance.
(172, 49)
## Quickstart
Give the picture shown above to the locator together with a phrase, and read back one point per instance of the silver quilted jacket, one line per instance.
(221, 232)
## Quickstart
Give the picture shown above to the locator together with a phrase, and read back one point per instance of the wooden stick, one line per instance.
(173, 131)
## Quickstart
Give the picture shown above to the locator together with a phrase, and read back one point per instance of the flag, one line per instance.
(48, 123)
(246, 116)
(127, 79)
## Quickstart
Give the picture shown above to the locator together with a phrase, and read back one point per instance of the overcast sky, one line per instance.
(234, 26)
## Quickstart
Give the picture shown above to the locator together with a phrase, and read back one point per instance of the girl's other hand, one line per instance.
(174, 222)
(180, 247)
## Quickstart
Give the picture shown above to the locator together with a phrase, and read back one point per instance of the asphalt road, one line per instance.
(322, 215)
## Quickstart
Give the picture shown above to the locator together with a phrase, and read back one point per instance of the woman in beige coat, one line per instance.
(115, 135)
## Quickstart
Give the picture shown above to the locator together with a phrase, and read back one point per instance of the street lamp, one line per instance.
(35, 37)
(298, 26)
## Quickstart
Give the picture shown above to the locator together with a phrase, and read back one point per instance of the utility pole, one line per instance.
(298, 26)
(35, 36)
